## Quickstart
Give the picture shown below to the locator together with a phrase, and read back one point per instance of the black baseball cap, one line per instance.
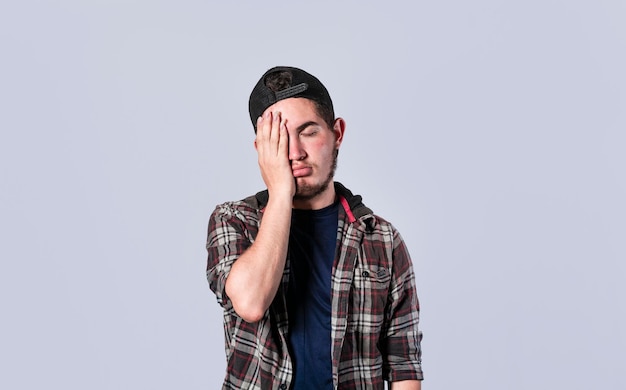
(298, 84)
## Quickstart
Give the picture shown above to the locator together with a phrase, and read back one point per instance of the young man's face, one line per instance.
(313, 147)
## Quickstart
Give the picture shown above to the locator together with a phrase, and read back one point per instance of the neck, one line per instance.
(318, 202)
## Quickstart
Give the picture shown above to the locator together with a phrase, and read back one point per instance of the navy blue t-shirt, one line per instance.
(312, 244)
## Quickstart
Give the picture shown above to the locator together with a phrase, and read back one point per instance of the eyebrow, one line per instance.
(305, 125)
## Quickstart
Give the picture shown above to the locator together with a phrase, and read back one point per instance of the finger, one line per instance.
(274, 135)
(266, 121)
(262, 132)
(283, 142)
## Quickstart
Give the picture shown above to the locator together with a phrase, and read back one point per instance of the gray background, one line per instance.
(491, 133)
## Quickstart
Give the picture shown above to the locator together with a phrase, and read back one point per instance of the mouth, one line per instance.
(301, 171)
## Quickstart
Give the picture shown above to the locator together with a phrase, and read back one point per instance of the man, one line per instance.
(317, 291)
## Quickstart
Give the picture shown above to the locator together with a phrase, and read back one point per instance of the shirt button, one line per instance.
(365, 274)
(283, 386)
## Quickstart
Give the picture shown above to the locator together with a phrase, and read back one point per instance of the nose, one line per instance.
(296, 152)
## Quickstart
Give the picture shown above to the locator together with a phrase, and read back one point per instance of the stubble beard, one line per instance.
(310, 191)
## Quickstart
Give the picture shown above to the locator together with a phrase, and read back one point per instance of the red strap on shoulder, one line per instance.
(346, 207)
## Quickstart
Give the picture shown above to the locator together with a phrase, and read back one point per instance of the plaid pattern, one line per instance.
(374, 302)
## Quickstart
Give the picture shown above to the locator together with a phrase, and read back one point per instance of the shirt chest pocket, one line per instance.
(368, 299)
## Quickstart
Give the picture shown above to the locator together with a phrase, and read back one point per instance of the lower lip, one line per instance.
(302, 172)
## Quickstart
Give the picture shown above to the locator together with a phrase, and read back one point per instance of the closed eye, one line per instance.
(308, 129)
(308, 133)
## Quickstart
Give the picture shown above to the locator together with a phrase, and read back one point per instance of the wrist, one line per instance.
(278, 198)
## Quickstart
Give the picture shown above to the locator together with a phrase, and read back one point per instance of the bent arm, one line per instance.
(401, 344)
(256, 275)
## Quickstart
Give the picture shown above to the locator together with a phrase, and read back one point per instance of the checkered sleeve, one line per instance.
(230, 233)
(401, 337)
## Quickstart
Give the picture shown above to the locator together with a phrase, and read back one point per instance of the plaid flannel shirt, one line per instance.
(375, 310)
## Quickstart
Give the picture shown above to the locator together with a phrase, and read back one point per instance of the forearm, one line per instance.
(406, 385)
(256, 274)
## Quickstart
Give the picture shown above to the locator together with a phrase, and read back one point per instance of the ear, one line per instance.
(339, 128)
(255, 148)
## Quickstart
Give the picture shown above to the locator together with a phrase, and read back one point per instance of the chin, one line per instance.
(306, 191)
